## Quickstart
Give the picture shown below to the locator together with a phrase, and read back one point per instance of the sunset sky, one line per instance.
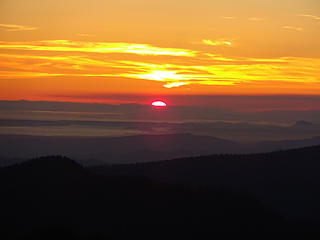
(108, 50)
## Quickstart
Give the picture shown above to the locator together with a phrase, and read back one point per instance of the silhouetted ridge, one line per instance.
(49, 167)
(55, 190)
(288, 181)
(53, 162)
(187, 196)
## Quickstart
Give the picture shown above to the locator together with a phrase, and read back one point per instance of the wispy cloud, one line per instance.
(172, 67)
(14, 28)
(175, 84)
(293, 28)
(310, 16)
(96, 47)
(255, 19)
(228, 17)
(85, 35)
(216, 42)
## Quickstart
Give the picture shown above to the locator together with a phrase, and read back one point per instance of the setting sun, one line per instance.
(159, 104)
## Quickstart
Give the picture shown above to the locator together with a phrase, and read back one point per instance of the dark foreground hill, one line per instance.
(56, 198)
(286, 181)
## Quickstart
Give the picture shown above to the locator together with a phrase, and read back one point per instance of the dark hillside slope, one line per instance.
(55, 191)
(287, 181)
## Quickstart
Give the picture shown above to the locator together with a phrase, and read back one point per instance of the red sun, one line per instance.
(159, 104)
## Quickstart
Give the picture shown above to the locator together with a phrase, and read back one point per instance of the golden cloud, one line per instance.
(95, 47)
(173, 67)
(216, 42)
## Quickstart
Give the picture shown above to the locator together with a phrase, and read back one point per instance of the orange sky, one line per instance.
(69, 48)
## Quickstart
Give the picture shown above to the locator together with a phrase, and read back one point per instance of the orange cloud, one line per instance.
(228, 17)
(14, 28)
(255, 19)
(85, 35)
(310, 16)
(293, 28)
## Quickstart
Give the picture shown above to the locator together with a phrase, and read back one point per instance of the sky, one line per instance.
(133, 51)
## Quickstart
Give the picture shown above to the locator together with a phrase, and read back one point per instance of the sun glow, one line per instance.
(160, 75)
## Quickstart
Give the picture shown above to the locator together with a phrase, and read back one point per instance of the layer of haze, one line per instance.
(103, 120)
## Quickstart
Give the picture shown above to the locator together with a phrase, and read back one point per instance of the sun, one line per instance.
(158, 104)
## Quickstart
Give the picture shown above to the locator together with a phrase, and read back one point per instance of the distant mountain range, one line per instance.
(106, 127)
(88, 150)
(131, 149)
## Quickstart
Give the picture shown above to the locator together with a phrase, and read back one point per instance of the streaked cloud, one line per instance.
(216, 42)
(310, 16)
(14, 28)
(293, 28)
(175, 84)
(172, 67)
(95, 47)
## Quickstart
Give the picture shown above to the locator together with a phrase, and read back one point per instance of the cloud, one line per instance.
(310, 16)
(85, 35)
(14, 28)
(96, 47)
(228, 17)
(255, 19)
(216, 42)
(175, 84)
(171, 67)
(293, 28)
